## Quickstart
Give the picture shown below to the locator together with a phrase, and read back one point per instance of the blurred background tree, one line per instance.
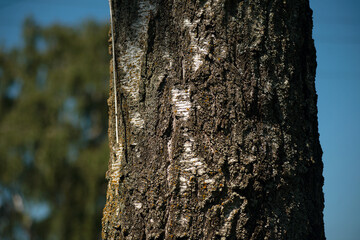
(53, 132)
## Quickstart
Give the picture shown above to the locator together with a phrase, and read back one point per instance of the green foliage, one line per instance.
(53, 128)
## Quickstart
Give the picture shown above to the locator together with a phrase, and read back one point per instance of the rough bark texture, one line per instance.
(217, 122)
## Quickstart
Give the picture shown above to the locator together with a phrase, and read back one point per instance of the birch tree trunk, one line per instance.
(216, 121)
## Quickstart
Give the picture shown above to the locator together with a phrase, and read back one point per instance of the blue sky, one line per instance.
(337, 39)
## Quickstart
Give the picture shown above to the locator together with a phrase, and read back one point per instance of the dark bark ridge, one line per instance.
(218, 122)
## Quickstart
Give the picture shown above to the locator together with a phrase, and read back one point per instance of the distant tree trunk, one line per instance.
(217, 122)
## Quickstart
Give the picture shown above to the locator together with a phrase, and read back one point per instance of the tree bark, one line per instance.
(217, 122)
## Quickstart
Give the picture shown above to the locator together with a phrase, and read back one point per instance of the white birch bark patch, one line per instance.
(116, 165)
(199, 47)
(130, 61)
(181, 100)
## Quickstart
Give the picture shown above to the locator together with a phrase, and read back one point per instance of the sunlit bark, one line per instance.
(217, 120)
